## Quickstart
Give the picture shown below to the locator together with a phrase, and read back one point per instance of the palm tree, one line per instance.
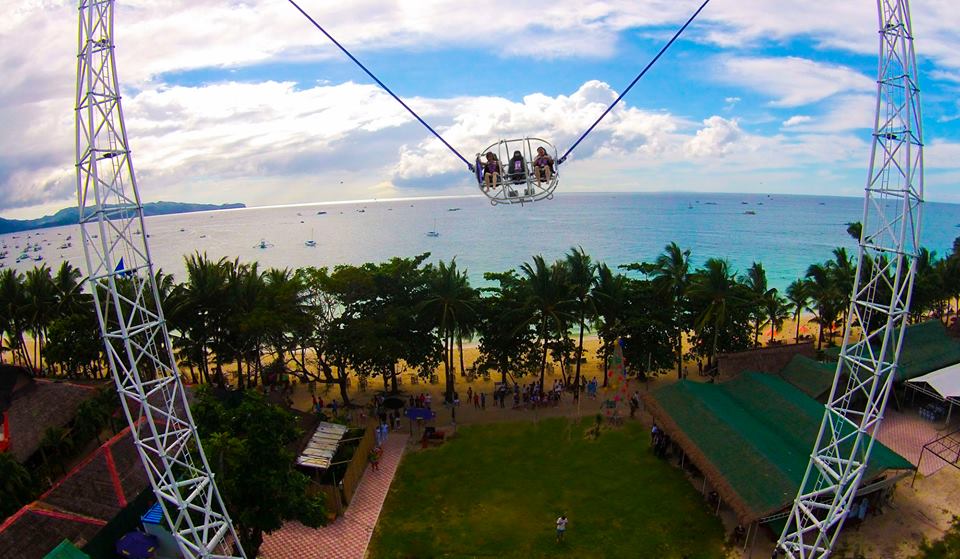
(610, 300)
(756, 284)
(16, 485)
(844, 271)
(250, 315)
(549, 301)
(582, 274)
(716, 285)
(798, 294)
(451, 303)
(40, 307)
(12, 316)
(826, 297)
(202, 306)
(777, 310)
(69, 290)
(671, 274)
(855, 230)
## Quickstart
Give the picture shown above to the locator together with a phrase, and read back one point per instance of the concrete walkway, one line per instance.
(906, 433)
(349, 536)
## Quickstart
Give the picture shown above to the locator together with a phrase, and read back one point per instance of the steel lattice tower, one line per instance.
(880, 303)
(128, 306)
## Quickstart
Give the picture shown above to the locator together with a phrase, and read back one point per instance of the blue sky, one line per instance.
(246, 101)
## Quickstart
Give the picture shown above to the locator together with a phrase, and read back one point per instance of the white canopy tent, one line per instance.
(943, 384)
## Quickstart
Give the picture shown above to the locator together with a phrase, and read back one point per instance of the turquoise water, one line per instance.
(786, 234)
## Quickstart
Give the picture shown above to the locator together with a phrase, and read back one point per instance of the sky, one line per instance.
(245, 101)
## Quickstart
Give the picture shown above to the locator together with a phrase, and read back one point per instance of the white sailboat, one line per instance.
(434, 232)
(310, 242)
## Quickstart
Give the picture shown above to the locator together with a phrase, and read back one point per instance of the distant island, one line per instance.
(70, 216)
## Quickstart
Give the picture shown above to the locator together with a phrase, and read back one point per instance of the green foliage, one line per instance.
(382, 321)
(508, 342)
(496, 491)
(549, 302)
(723, 309)
(947, 547)
(17, 487)
(246, 440)
(73, 342)
(450, 305)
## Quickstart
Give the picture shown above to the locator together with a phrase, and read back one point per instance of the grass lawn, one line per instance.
(496, 491)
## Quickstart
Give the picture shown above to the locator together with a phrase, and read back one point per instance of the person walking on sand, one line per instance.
(561, 527)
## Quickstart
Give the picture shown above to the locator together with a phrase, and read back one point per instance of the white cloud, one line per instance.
(793, 81)
(795, 120)
(715, 139)
(274, 141)
(842, 113)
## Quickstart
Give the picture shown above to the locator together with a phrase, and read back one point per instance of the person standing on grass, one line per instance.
(483, 400)
(634, 404)
(561, 527)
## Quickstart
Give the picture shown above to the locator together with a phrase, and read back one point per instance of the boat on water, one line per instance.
(750, 212)
(310, 242)
(433, 232)
(321, 213)
(263, 244)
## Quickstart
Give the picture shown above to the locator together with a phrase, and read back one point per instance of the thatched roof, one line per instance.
(39, 405)
(809, 375)
(80, 504)
(927, 347)
(751, 437)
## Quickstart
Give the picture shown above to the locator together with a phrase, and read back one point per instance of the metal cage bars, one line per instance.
(121, 279)
(875, 326)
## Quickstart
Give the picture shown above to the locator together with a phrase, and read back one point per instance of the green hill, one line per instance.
(70, 216)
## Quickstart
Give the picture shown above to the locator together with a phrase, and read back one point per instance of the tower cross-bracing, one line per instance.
(880, 303)
(128, 305)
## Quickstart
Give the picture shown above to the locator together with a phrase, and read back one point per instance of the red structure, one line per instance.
(5, 434)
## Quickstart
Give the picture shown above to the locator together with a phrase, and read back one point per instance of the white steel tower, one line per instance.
(875, 326)
(128, 306)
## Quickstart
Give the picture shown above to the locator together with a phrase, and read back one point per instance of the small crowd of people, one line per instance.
(422, 400)
(517, 168)
(533, 394)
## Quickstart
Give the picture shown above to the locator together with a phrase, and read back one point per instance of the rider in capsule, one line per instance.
(543, 166)
(491, 171)
(517, 169)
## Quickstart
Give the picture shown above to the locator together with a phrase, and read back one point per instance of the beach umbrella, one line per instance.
(137, 545)
(394, 403)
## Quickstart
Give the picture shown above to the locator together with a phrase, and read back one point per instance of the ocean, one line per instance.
(786, 233)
